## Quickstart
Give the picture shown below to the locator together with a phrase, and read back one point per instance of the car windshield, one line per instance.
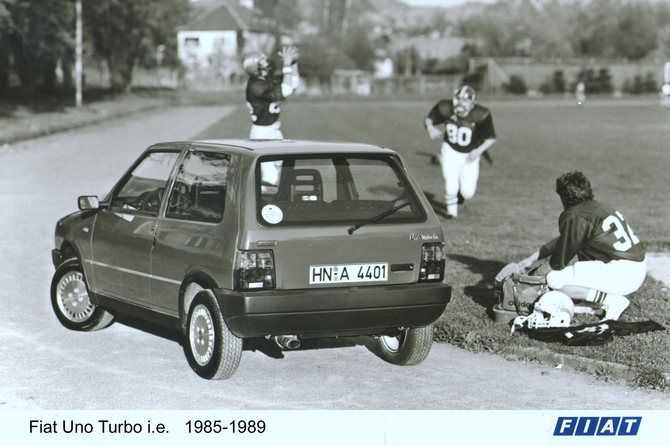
(333, 189)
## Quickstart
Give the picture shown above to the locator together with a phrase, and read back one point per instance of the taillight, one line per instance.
(432, 263)
(254, 270)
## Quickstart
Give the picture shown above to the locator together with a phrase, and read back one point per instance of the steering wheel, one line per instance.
(151, 201)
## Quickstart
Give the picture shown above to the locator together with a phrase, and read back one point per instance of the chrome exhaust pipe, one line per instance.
(287, 341)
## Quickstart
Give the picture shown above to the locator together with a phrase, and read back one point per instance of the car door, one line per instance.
(189, 237)
(124, 231)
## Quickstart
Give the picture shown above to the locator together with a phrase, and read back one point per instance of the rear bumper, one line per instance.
(333, 312)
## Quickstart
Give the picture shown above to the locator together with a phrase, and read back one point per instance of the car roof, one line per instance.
(260, 147)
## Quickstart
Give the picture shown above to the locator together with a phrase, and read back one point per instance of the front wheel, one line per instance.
(71, 303)
(410, 347)
(212, 351)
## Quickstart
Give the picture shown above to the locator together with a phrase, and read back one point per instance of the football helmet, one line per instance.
(464, 100)
(553, 309)
(255, 63)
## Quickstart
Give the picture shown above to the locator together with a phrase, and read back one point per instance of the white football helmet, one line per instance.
(553, 309)
(464, 100)
(255, 63)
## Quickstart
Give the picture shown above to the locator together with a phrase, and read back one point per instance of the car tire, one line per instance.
(212, 351)
(410, 347)
(71, 302)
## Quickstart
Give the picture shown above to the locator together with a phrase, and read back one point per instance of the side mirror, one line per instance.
(88, 202)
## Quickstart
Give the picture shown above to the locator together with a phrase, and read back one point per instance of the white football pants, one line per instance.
(459, 175)
(266, 131)
(620, 277)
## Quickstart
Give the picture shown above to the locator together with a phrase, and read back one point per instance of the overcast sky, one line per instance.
(446, 3)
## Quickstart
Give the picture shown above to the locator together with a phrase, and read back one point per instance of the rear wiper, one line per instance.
(378, 217)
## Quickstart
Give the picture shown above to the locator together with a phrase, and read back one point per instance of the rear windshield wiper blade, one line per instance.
(378, 217)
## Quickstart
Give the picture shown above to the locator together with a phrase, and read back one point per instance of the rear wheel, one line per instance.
(410, 347)
(213, 352)
(71, 303)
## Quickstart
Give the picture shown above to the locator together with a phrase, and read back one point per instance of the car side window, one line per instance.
(144, 186)
(199, 192)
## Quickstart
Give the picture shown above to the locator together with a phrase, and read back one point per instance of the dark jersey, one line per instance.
(463, 134)
(594, 231)
(592, 334)
(263, 96)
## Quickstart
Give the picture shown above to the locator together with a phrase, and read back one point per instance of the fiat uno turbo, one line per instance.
(232, 239)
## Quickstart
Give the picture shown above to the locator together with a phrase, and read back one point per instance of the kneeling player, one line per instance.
(611, 260)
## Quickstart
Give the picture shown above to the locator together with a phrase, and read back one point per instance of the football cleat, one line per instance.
(614, 305)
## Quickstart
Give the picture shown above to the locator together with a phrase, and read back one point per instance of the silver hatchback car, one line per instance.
(232, 239)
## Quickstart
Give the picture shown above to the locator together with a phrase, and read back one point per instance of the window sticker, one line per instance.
(272, 214)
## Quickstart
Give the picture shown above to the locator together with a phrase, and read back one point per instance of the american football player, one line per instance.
(665, 95)
(265, 90)
(580, 92)
(611, 261)
(468, 133)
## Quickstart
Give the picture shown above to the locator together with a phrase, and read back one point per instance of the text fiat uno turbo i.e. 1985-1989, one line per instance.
(283, 240)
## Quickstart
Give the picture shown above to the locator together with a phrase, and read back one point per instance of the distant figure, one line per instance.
(265, 90)
(580, 92)
(665, 95)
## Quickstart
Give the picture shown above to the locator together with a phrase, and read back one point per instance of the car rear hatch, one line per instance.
(373, 255)
(343, 219)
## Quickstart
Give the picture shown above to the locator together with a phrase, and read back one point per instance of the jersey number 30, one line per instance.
(621, 232)
(459, 135)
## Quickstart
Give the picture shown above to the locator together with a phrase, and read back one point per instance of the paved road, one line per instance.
(136, 366)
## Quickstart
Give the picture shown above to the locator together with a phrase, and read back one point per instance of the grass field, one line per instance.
(623, 146)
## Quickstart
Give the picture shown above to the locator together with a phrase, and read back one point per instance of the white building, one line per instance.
(211, 45)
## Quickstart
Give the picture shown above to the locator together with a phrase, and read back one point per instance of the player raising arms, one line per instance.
(611, 261)
(469, 132)
(265, 90)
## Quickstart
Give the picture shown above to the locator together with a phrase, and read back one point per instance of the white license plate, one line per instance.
(367, 272)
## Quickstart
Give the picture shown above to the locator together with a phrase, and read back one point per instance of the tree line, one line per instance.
(37, 37)
(623, 29)
(350, 34)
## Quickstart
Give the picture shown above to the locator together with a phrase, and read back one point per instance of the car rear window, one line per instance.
(331, 189)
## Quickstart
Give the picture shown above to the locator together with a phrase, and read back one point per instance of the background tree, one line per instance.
(283, 16)
(127, 32)
(635, 35)
(319, 59)
(6, 27)
(37, 34)
(559, 28)
(359, 46)
(500, 27)
(286, 13)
